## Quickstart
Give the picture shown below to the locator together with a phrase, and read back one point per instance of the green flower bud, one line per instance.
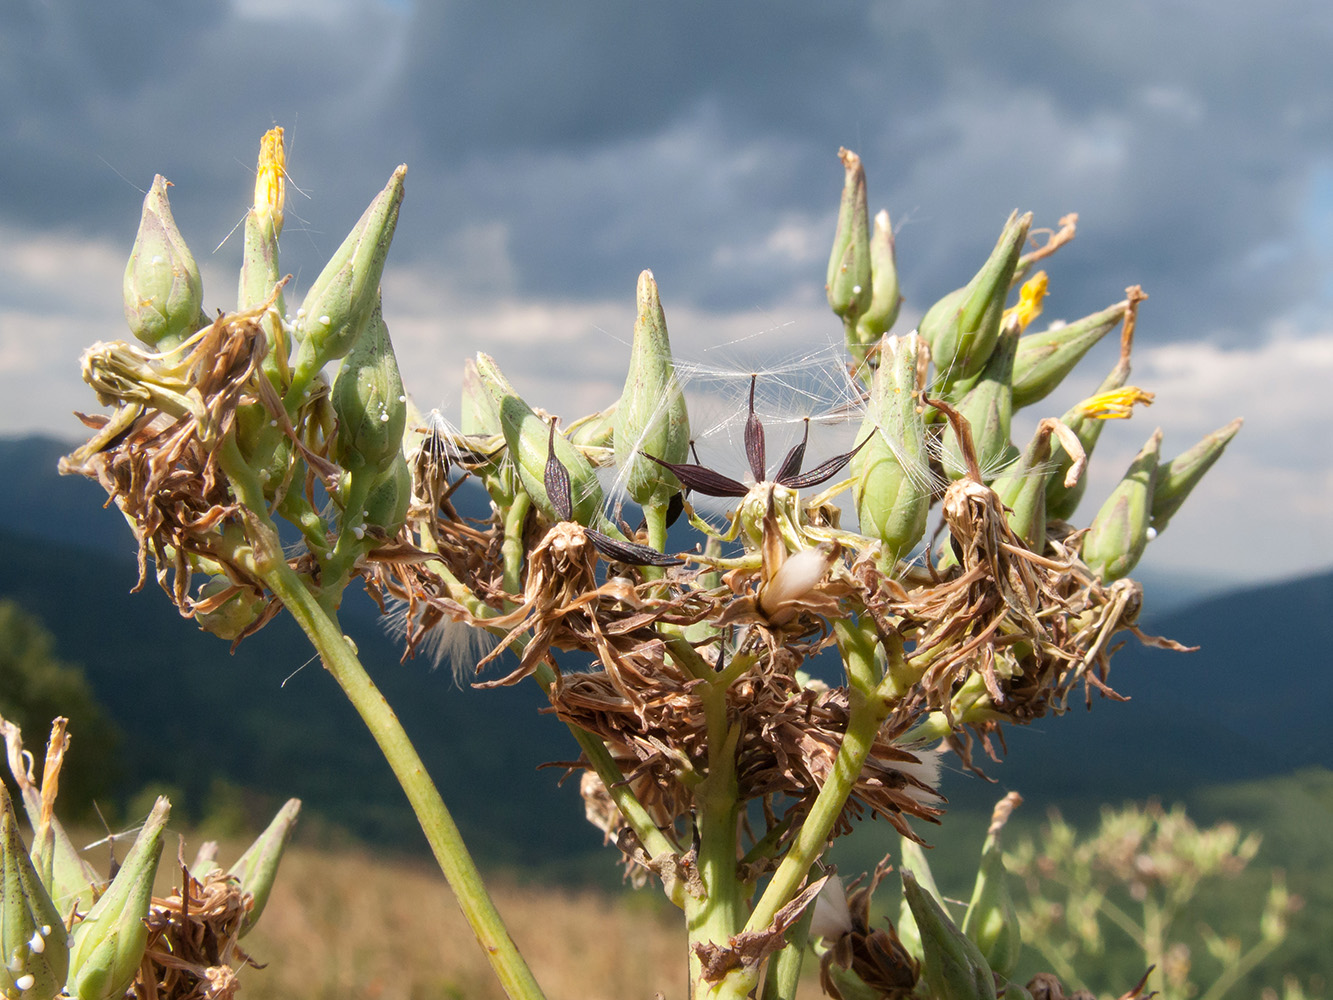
(386, 506)
(258, 866)
(224, 609)
(481, 422)
(651, 417)
(1044, 359)
(1119, 533)
(263, 224)
(991, 920)
(339, 305)
(528, 438)
(914, 860)
(1022, 485)
(885, 298)
(34, 944)
(988, 407)
(163, 290)
(370, 402)
(963, 326)
(596, 430)
(891, 473)
(952, 966)
(1179, 476)
(109, 943)
(849, 273)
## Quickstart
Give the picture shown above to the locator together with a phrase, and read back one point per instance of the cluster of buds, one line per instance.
(65, 931)
(714, 760)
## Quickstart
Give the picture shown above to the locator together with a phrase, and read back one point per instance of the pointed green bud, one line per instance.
(34, 944)
(596, 430)
(339, 305)
(963, 326)
(1021, 487)
(263, 223)
(952, 966)
(991, 920)
(988, 407)
(528, 438)
(370, 402)
(891, 483)
(386, 506)
(849, 273)
(258, 866)
(914, 860)
(651, 417)
(163, 290)
(109, 943)
(885, 298)
(481, 421)
(1120, 531)
(1045, 358)
(1179, 476)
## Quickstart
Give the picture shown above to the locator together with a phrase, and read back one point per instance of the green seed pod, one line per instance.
(1179, 476)
(991, 920)
(370, 402)
(962, 327)
(233, 616)
(163, 290)
(885, 299)
(891, 484)
(1044, 359)
(386, 506)
(528, 438)
(109, 943)
(849, 273)
(952, 966)
(339, 304)
(258, 866)
(34, 945)
(1119, 533)
(651, 418)
(988, 407)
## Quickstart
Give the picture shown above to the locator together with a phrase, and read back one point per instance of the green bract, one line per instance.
(163, 290)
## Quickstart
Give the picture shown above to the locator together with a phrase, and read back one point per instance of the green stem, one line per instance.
(512, 546)
(441, 832)
(784, 970)
(868, 712)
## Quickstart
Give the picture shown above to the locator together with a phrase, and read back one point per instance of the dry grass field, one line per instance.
(342, 924)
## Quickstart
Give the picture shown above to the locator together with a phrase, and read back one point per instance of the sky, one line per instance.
(556, 150)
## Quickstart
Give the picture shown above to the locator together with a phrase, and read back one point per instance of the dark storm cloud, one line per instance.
(595, 139)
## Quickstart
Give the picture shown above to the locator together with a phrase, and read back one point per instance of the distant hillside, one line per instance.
(1251, 702)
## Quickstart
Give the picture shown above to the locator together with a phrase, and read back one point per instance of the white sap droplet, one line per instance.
(1152, 533)
(157, 258)
(856, 289)
(300, 312)
(402, 399)
(38, 943)
(324, 320)
(384, 418)
(46, 929)
(365, 513)
(25, 982)
(359, 532)
(273, 423)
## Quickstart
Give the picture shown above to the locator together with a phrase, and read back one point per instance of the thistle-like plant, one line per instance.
(712, 760)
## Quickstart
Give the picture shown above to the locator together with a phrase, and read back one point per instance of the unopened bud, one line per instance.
(109, 943)
(370, 402)
(914, 860)
(963, 326)
(529, 440)
(849, 273)
(387, 504)
(952, 966)
(258, 866)
(1119, 533)
(988, 408)
(339, 304)
(1179, 476)
(163, 290)
(34, 945)
(991, 920)
(891, 483)
(225, 609)
(885, 298)
(651, 418)
(1044, 359)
